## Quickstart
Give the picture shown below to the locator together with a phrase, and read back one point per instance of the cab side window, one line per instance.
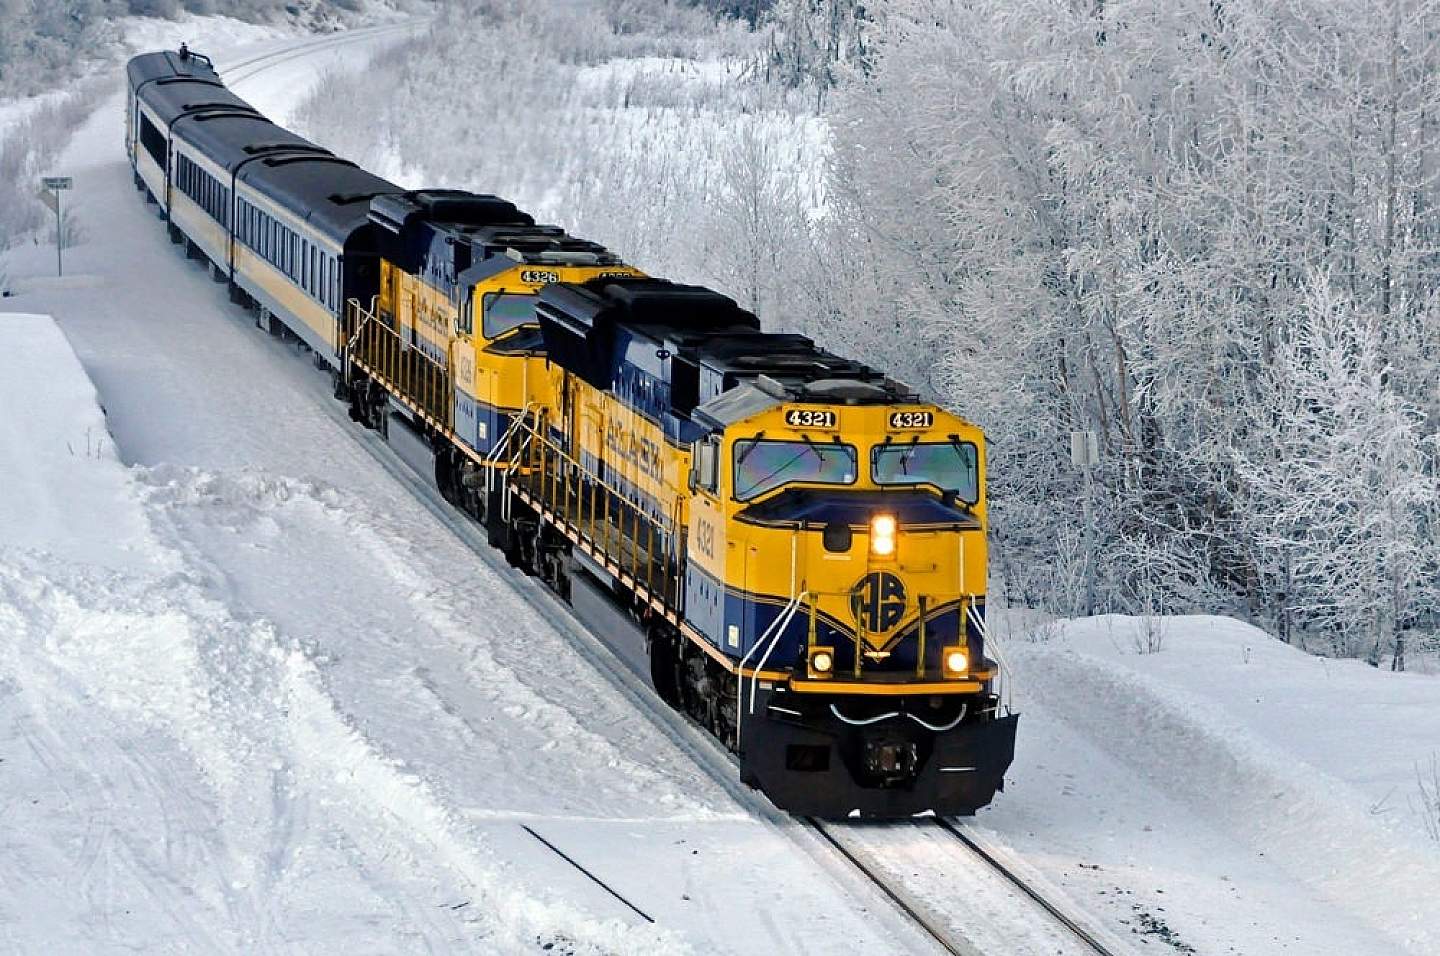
(707, 464)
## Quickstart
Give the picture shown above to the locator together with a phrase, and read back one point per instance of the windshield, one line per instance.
(764, 465)
(950, 466)
(504, 312)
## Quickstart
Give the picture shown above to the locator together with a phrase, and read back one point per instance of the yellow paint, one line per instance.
(505, 381)
(943, 565)
(290, 296)
(196, 223)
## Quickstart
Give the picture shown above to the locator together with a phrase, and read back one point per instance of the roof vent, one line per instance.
(840, 390)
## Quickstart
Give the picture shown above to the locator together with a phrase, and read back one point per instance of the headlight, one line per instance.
(955, 661)
(822, 661)
(882, 536)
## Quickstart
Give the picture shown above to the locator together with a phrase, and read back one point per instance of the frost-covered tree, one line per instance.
(1342, 484)
(1102, 217)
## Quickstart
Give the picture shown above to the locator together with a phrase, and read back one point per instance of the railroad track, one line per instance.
(1015, 880)
(234, 73)
(919, 913)
(947, 939)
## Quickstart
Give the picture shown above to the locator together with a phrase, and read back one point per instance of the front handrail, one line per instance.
(993, 644)
(777, 626)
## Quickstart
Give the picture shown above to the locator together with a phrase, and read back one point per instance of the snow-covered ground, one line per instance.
(1244, 795)
(254, 696)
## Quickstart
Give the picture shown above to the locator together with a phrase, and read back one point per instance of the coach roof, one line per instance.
(230, 138)
(168, 64)
(330, 193)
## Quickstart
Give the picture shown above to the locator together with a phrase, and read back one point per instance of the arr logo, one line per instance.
(878, 601)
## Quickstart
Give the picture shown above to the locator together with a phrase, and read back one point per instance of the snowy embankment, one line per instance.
(176, 775)
(1250, 764)
(344, 715)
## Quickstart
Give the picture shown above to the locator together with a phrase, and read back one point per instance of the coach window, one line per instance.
(153, 140)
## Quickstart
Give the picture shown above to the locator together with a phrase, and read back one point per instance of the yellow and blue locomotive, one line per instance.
(819, 533)
(800, 539)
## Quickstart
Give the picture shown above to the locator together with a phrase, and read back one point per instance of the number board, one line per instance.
(539, 276)
(811, 418)
(912, 419)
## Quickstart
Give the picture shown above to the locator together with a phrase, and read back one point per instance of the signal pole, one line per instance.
(1085, 455)
(50, 196)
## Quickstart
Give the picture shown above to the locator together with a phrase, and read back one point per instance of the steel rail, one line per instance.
(1017, 881)
(914, 911)
(305, 47)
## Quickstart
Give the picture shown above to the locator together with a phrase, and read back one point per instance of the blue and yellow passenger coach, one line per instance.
(799, 538)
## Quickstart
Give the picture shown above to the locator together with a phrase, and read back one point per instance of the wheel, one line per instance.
(445, 474)
(662, 667)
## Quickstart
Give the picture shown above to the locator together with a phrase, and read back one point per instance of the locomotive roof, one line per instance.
(452, 211)
(696, 327)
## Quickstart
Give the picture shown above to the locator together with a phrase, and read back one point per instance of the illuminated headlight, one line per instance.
(955, 661)
(882, 536)
(822, 662)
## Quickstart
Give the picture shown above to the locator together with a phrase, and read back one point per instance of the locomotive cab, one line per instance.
(838, 558)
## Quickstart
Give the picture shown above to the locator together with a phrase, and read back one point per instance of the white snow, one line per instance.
(1247, 794)
(254, 697)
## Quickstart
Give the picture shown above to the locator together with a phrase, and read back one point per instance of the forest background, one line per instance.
(1204, 231)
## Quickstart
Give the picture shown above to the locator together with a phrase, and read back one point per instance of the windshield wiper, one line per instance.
(754, 444)
(813, 447)
(905, 455)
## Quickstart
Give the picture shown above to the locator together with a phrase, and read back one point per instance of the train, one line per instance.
(798, 539)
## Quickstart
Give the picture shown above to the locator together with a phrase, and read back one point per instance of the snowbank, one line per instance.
(177, 776)
(1312, 762)
(65, 492)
